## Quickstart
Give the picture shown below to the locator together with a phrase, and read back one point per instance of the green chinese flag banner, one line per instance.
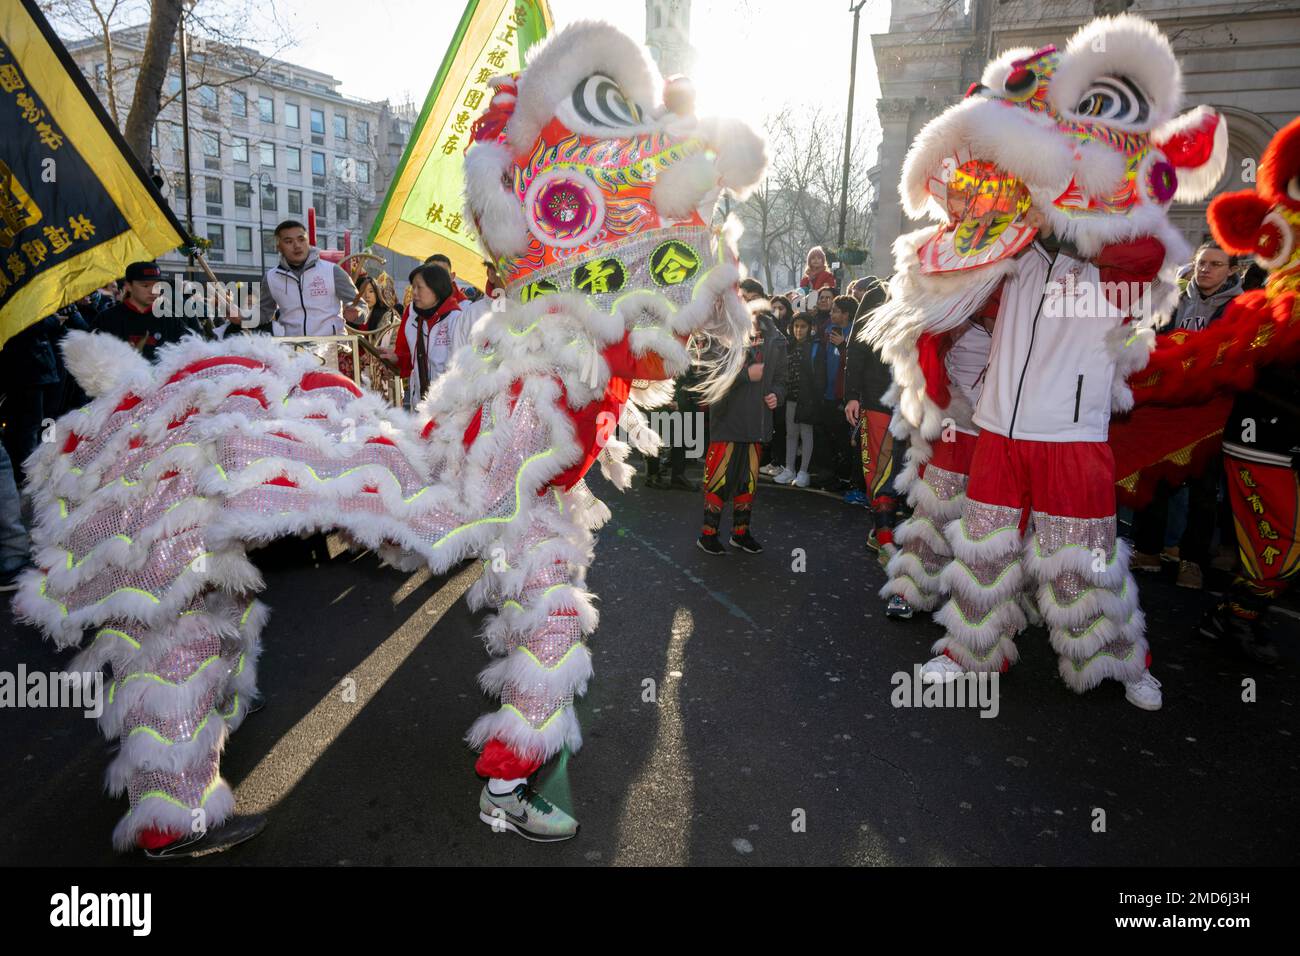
(75, 206)
(423, 212)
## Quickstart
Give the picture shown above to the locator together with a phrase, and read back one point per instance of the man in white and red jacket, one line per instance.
(1042, 466)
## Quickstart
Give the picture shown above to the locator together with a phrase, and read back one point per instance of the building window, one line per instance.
(212, 194)
(341, 210)
(238, 103)
(318, 203)
(318, 122)
(153, 136)
(363, 171)
(217, 240)
(239, 148)
(266, 109)
(322, 241)
(361, 131)
(340, 126)
(266, 154)
(293, 156)
(207, 97)
(268, 243)
(295, 202)
(344, 168)
(210, 145)
(243, 238)
(243, 195)
(317, 169)
(174, 85)
(291, 115)
(100, 76)
(270, 202)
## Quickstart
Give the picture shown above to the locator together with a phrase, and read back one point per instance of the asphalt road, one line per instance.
(772, 738)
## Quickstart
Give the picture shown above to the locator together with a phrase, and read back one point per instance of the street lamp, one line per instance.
(262, 180)
(856, 10)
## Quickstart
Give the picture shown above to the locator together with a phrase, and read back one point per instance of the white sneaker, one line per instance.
(801, 480)
(770, 469)
(784, 476)
(1144, 692)
(941, 669)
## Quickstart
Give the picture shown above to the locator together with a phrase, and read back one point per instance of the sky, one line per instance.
(751, 55)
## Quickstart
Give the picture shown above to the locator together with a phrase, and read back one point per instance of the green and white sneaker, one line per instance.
(526, 812)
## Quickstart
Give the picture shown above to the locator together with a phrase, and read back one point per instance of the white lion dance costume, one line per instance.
(1089, 137)
(595, 201)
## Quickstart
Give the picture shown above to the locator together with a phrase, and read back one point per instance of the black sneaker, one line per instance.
(709, 544)
(1212, 624)
(1251, 635)
(678, 483)
(9, 581)
(747, 542)
(214, 840)
(657, 482)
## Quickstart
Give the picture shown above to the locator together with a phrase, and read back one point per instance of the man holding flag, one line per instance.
(77, 211)
(75, 206)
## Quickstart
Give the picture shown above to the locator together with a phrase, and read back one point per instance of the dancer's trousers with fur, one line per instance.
(1041, 515)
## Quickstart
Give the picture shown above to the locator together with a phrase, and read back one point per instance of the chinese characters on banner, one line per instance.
(423, 212)
(75, 206)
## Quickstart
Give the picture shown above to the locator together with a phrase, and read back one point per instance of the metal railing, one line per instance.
(356, 357)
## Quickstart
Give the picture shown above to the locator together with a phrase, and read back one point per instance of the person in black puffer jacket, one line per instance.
(29, 369)
(804, 385)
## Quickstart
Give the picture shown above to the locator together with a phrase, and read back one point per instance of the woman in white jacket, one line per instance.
(433, 328)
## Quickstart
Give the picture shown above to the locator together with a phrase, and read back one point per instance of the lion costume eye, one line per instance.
(1020, 84)
(1293, 188)
(598, 100)
(1116, 99)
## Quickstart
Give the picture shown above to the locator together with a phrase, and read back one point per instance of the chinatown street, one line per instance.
(740, 714)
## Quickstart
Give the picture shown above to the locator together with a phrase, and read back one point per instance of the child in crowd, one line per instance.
(805, 384)
(816, 274)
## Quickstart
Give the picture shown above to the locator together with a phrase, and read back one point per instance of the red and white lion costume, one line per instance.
(595, 201)
(1090, 138)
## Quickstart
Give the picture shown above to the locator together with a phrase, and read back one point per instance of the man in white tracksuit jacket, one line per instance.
(1042, 470)
(312, 296)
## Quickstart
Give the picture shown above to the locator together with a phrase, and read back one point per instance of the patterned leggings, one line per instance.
(730, 471)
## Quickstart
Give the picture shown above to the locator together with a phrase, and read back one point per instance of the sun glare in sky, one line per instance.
(752, 56)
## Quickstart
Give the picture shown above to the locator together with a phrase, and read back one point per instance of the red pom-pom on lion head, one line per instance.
(1265, 222)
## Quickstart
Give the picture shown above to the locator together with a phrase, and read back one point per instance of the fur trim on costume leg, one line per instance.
(1003, 654)
(957, 577)
(909, 564)
(1081, 560)
(996, 544)
(1085, 675)
(1101, 633)
(515, 619)
(142, 749)
(1091, 603)
(912, 591)
(981, 634)
(923, 528)
(922, 497)
(160, 814)
(568, 676)
(510, 727)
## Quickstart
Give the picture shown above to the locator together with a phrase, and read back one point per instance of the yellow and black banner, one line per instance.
(75, 205)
